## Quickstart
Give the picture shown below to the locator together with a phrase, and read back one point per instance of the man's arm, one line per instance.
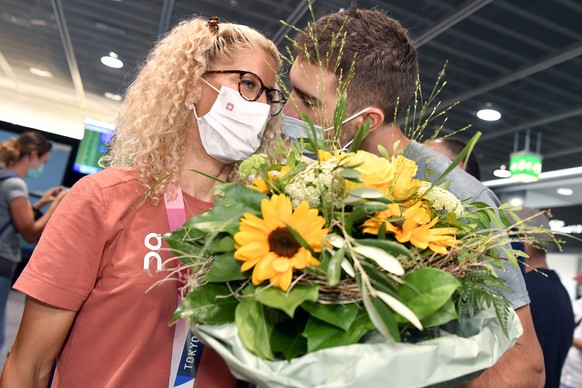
(521, 366)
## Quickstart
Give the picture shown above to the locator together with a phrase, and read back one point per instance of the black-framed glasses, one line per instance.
(251, 87)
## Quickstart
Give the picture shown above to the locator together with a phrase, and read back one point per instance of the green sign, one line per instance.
(525, 166)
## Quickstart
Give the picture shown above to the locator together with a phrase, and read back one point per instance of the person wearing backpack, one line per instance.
(21, 157)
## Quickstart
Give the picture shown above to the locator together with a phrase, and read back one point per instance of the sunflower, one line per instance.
(414, 225)
(268, 245)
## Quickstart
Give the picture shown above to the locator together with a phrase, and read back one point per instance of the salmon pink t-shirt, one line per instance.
(102, 256)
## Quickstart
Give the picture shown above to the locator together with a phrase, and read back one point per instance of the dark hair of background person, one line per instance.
(451, 147)
(14, 149)
(375, 66)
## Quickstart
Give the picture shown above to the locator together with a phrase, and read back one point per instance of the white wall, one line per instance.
(567, 266)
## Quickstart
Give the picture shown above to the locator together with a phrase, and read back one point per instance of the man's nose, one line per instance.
(290, 110)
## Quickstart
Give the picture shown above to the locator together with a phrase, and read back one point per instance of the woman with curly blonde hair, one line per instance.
(205, 99)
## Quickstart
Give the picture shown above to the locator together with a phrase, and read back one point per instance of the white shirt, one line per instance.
(572, 370)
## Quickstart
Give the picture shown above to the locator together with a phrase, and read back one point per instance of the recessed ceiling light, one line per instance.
(516, 201)
(40, 72)
(489, 114)
(111, 60)
(113, 96)
(502, 172)
(565, 191)
(38, 22)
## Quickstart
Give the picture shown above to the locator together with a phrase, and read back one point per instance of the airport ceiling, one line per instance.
(522, 56)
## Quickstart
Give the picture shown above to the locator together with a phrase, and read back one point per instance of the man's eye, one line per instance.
(309, 102)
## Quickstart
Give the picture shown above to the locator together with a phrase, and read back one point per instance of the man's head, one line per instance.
(367, 48)
(451, 148)
(536, 250)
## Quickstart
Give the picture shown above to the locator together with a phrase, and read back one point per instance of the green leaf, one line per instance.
(392, 247)
(224, 268)
(287, 301)
(443, 315)
(254, 329)
(210, 304)
(427, 289)
(339, 315)
(366, 193)
(223, 244)
(287, 338)
(334, 267)
(380, 315)
(234, 193)
(350, 174)
(388, 318)
(399, 308)
(384, 259)
(363, 131)
(180, 244)
(322, 335)
(300, 239)
(339, 113)
(463, 155)
(220, 218)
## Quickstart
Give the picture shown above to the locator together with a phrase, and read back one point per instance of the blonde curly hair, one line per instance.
(152, 135)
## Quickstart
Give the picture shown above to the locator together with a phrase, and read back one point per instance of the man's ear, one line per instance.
(376, 117)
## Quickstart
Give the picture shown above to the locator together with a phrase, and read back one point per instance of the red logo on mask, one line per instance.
(230, 107)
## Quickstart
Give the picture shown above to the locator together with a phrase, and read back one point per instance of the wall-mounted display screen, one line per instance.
(92, 147)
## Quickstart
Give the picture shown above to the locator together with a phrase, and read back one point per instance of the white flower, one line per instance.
(441, 199)
(313, 184)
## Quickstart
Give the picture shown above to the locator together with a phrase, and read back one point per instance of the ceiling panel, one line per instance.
(524, 56)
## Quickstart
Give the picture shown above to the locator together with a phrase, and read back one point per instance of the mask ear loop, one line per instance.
(347, 145)
(350, 118)
(190, 105)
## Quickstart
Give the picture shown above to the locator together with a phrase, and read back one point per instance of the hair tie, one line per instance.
(212, 24)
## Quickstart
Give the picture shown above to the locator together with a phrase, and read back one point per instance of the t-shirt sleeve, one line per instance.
(66, 262)
(15, 188)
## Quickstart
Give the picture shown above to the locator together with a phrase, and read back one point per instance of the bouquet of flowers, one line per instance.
(345, 269)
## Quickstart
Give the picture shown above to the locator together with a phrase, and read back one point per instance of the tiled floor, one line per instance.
(14, 309)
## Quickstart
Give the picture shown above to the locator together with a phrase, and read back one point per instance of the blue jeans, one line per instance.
(5, 284)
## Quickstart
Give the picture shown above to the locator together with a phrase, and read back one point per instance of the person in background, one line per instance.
(451, 147)
(551, 308)
(385, 72)
(100, 287)
(21, 157)
(572, 369)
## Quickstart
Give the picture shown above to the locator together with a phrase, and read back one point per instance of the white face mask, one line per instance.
(295, 128)
(232, 130)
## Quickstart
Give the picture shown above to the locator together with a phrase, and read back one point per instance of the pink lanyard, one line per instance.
(186, 349)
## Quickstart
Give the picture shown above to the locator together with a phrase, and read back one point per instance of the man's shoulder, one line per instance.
(431, 165)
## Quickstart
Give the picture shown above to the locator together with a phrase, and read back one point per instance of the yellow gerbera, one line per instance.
(261, 185)
(414, 226)
(269, 246)
(324, 156)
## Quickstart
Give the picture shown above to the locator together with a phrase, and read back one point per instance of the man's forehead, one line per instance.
(312, 78)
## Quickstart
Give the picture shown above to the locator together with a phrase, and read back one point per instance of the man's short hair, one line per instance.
(386, 62)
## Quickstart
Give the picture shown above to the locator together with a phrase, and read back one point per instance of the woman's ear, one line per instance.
(376, 117)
